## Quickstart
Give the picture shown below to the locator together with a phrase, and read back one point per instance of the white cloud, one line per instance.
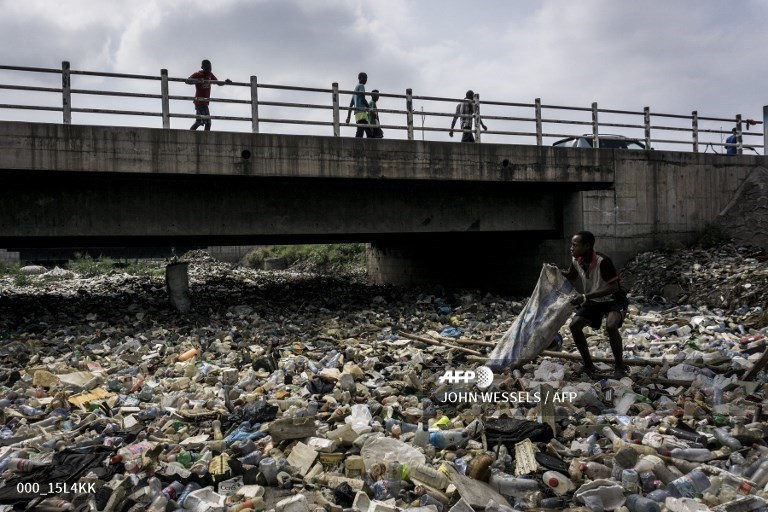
(671, 56)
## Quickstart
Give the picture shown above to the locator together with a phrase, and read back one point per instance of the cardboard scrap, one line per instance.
(89, 396)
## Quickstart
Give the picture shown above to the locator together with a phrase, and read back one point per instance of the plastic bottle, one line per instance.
(448, 439)
(695, 454)
(684, 434)
(461, 465)
(23, 465)
(145, 395)
(390, 423)
(509, 485)
(649, 482)
(688, 485)
(158, 504)
(184, 458)
(619, 443)
(750, 470)
(394, 477)
(594, 503)
(150, 413)
(558, 482)
(594, 470)
(659, 495)
(200, 468)
(421, 437)
(155, 487)
(726, 439)
(217, 435)
(625, 403)
(28, 410)
(191, 487)
(630, 481)
(268, 468)
(174, 490)
(637, 503)
(428, 475)
(475, 428)
(663, 442)
(760, 476)
(252, 458)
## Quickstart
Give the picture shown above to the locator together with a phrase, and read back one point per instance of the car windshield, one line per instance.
(620, 144)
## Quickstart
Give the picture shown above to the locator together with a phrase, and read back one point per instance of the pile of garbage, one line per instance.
(292, 392)
(727, 277)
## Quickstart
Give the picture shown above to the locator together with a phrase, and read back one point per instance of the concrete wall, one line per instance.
(662, 200)
(108, 149)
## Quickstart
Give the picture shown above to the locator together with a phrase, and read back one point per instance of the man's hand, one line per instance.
(450, 133)
(227, 81)
(485, 128)
(579, 299)
(348, 117)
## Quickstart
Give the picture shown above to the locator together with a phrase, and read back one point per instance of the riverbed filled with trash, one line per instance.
(296, 392)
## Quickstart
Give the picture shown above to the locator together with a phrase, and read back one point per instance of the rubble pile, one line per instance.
(295, 392)
(726, 277)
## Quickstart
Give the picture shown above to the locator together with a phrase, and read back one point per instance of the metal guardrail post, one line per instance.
(739, 142)
(476, 114)
(647, 122)
(539, 129)
(409, 112)
(695, 130)
(765, 130)
(66, 93)
(595, 136)
(336, 117)
(164, 101)
(254, 105)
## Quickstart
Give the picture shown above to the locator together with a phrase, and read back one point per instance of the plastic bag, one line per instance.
(537, 324)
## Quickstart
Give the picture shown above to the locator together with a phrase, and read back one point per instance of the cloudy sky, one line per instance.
(673, 56)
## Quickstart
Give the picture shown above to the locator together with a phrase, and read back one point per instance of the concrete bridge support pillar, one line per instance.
(509, 266)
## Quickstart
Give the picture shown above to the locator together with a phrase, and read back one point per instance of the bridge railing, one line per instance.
(105, 98)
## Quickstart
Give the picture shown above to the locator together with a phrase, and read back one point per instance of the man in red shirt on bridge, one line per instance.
(202, 80)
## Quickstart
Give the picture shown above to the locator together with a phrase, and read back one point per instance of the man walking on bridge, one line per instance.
(202, 80)
(466, 111)
(359, 104)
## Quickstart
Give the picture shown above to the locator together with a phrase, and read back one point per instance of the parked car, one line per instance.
(606, 141)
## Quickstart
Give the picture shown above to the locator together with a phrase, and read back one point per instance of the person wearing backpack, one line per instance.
(466, 111)
(373, 116)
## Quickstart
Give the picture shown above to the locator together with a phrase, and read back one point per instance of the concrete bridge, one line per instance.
(477, 215)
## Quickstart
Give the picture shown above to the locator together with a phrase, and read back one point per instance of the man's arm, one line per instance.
(455, 117)
(349, 111)
(194, 78)
(351, 105)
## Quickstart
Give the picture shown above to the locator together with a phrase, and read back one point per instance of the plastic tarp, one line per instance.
(537, 324)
